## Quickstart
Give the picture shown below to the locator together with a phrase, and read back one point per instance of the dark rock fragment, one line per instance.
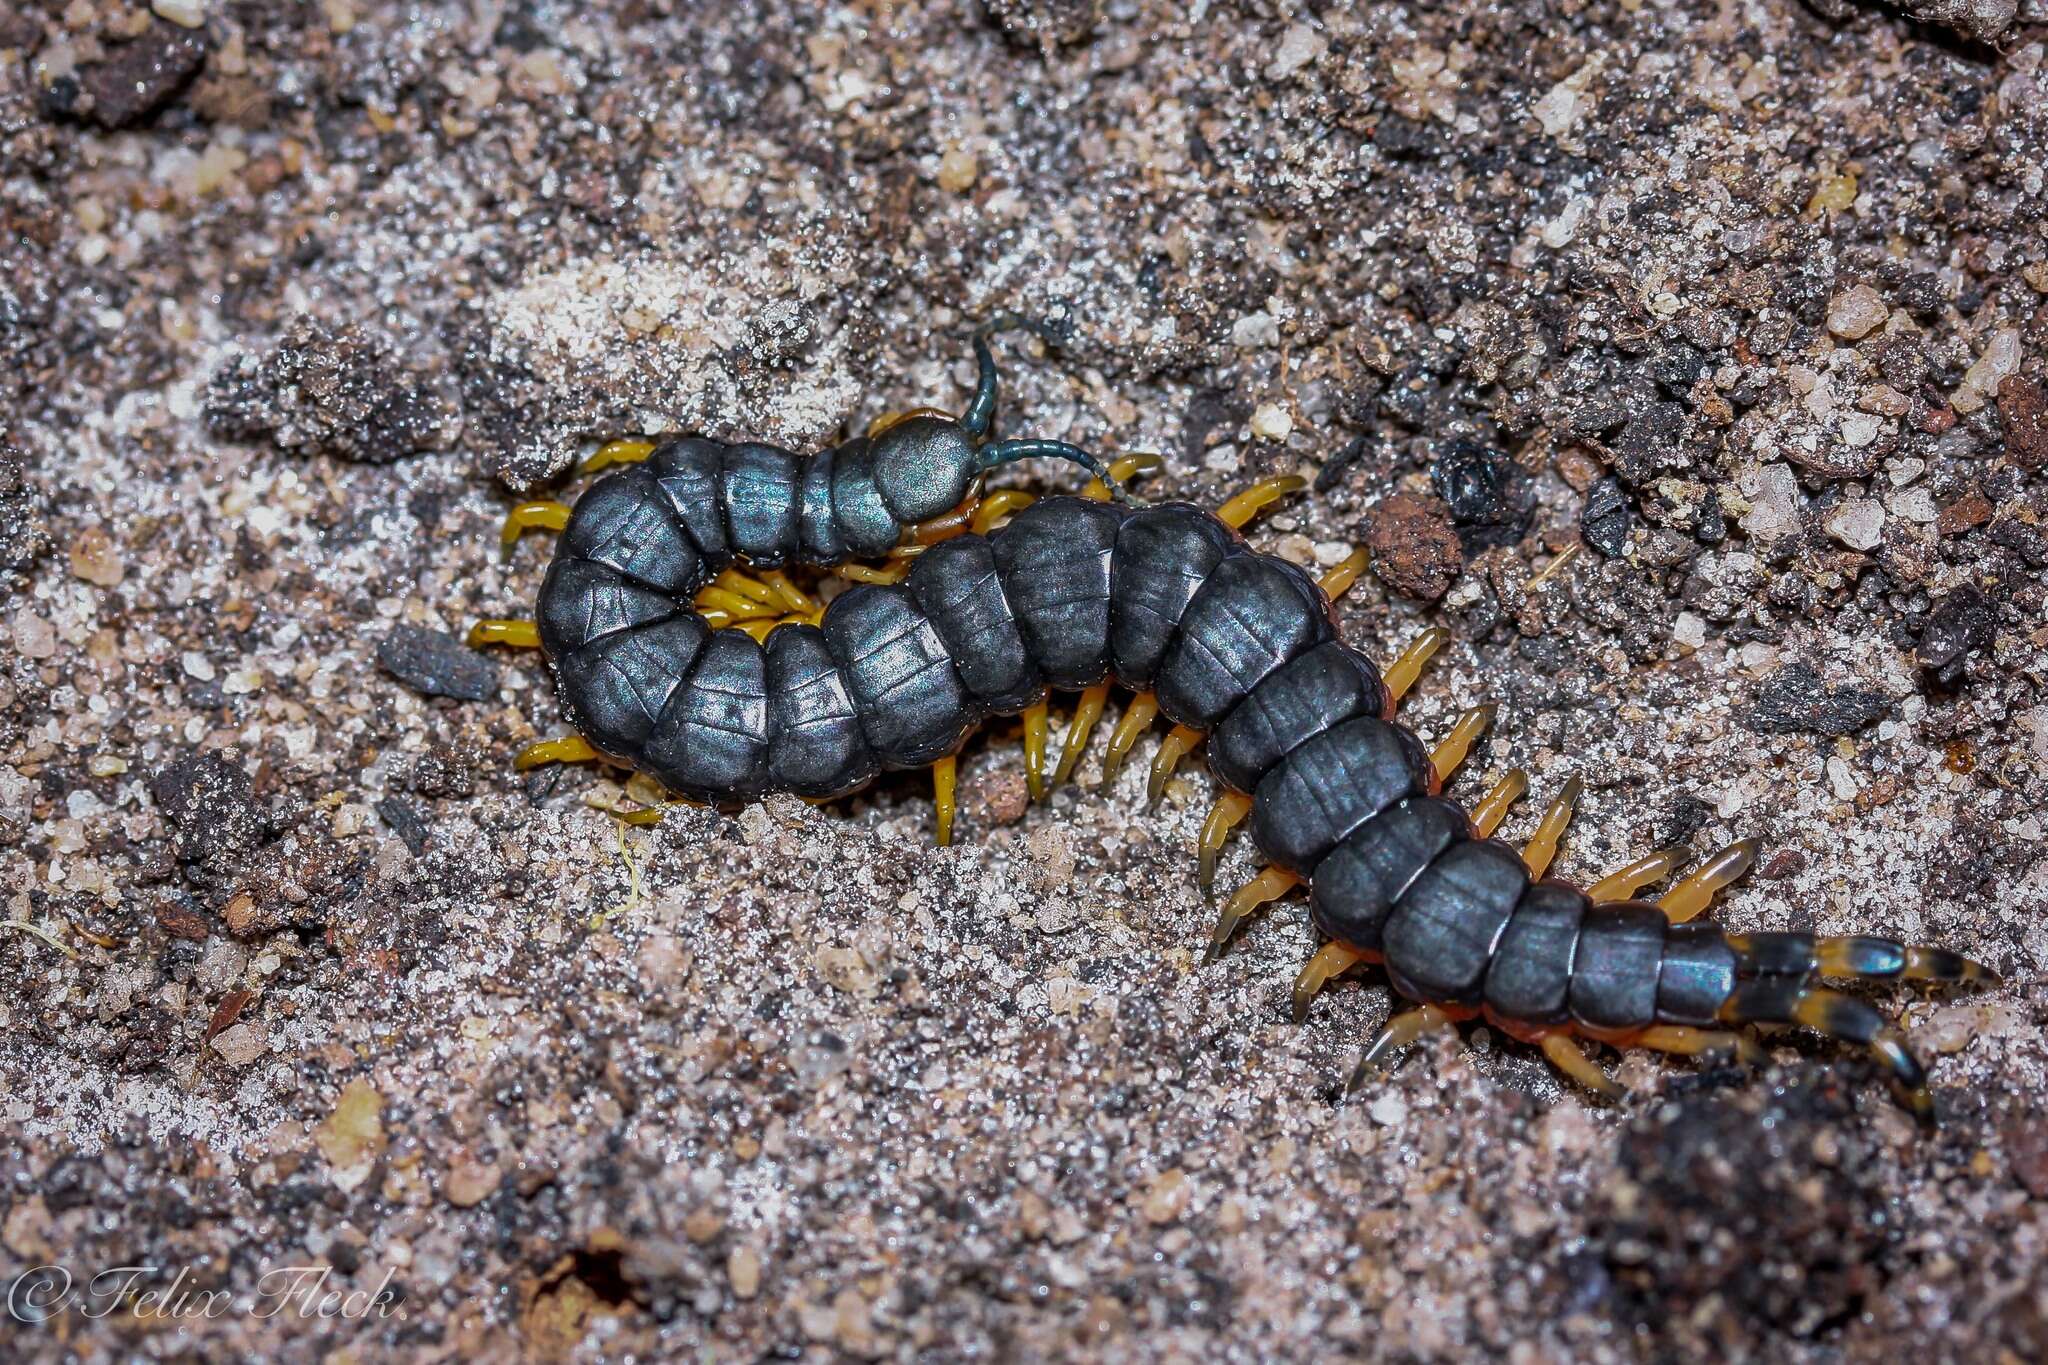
(212, 809)
(346, 393)
(1490, 497)
(437, 665)
(1650, 443)
(405, 822)
(1794, 701)
(1607, 517)
(1959, 625)
(2023, 409)
(140, 76)
(1794, 1242)
(1415, 546)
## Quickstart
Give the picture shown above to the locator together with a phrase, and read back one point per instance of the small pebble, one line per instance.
(1857, 523)
(241, 1044)
(1857, 312)
(437, 665)
(1415, 546)
(1272, 422)
(183, 13)
(958, 170)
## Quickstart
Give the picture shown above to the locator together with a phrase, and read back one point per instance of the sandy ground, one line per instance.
(303, 992)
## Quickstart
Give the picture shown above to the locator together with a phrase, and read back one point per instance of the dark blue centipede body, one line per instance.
(1072, 592)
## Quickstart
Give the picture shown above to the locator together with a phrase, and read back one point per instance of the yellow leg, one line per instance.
(1493, 807)
(788, 593)
(735, 606)
(547, 515)
(890, 419)
(1400, 1031)
(1337, 580)
(1449, 756)
(1122, 469)
(1172, 750)
(1086, 713)
(1331, 961)
(742, 585)
(998, 505)
(617, 452)
(1269, 885)
(1542, 846)
(943, 774)
(1402, 673)
(1651, 867)
(1567, 1056)
(1246, 505)
(1230, 808)
(1696, 891)
(861, 573)
(519, 634)
(1034, 749)
(567, 749)
(1717, 1044)
(1137, 716)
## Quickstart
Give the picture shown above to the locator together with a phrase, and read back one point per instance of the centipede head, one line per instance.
(923, 466)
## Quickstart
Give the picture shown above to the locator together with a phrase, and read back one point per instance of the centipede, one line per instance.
(683, 650)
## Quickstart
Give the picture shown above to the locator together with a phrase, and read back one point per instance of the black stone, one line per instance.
(1490, 496)
(405, 822)
(212, 809)
(139, 77)
(1607, 517)
(1959, 625)
(437, 665)
(1794, 701)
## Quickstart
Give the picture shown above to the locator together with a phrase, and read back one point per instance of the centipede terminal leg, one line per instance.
(1787, 1000)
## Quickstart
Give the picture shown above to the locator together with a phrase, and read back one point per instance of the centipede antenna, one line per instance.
(999, 453)
(981, 412)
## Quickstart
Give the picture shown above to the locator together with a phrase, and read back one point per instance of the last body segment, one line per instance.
(1228, 643)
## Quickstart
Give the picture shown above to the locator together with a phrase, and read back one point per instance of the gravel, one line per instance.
(294, 971)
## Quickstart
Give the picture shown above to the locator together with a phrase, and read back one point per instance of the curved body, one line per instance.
(1168, 599)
